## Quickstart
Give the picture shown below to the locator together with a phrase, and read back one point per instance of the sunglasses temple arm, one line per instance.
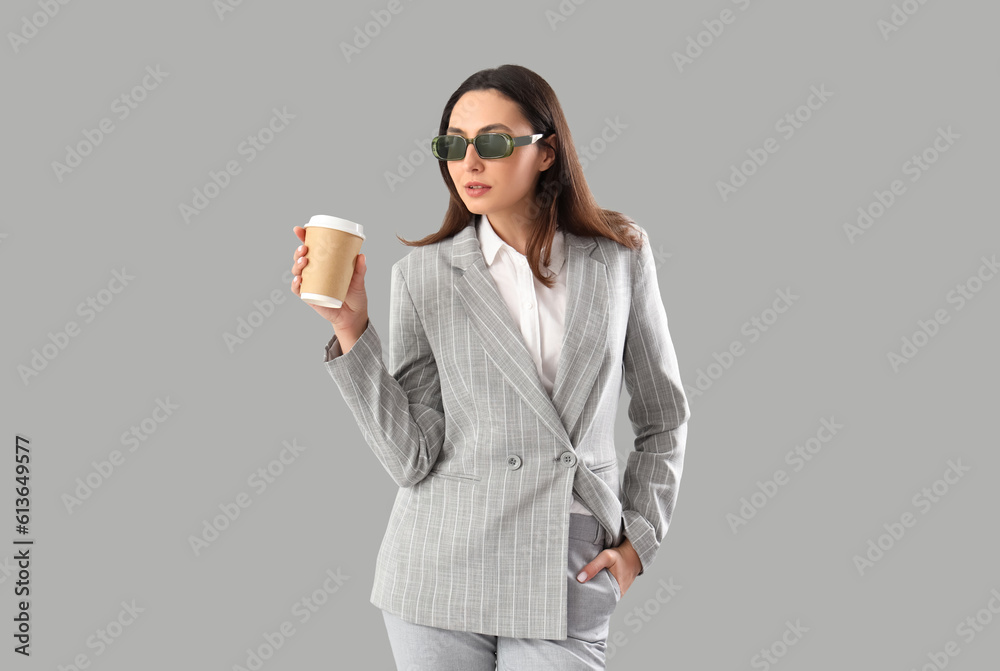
(527, 139)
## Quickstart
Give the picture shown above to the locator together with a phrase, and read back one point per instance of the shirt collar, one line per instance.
(490, 243)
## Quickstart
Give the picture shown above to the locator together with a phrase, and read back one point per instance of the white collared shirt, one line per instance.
(538, 311)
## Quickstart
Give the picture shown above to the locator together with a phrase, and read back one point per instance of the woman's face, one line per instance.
(512, 179)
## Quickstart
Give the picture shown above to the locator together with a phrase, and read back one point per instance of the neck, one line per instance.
(512, 230)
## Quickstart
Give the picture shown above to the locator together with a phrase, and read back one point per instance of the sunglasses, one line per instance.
(488, 145)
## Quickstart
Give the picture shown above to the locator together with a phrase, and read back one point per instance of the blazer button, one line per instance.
(513, 462)
(569, 459)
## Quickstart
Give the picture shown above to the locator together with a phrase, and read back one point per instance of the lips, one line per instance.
(476, 189)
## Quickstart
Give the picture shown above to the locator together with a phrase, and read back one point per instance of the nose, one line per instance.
(471, 157)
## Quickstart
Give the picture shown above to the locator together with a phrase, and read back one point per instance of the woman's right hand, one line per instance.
(351, 318)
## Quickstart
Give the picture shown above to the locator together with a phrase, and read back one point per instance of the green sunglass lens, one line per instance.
(449, 147)
(452, 147)
(491, 145)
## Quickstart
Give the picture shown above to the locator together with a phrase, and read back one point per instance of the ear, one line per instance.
(551, 144)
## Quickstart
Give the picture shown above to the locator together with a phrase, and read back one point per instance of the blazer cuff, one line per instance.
(357, 363)
(332, 349)
(641, 534)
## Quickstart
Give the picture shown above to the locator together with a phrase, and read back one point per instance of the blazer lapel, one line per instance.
(584, 338)
(586, 332)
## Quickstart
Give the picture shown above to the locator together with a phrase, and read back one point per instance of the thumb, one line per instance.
(593, 568)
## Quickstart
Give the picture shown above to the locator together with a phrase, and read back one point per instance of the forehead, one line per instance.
(477, 109)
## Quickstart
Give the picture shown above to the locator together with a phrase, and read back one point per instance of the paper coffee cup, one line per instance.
(333, 245)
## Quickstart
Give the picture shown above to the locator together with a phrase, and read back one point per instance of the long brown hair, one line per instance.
(562, 197)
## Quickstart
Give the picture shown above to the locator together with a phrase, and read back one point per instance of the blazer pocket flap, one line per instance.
(451, 475)
(597, 468)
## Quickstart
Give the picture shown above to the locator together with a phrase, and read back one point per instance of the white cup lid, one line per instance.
(327, 221)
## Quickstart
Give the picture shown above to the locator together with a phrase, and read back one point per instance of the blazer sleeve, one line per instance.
(400, 413)
(658, 410)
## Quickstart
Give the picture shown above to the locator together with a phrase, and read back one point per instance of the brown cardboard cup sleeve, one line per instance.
(333, 245)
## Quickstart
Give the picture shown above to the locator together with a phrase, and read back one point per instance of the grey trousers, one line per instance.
(417, 647)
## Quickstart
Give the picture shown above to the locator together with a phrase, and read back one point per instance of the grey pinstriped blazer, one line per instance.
(486, 462)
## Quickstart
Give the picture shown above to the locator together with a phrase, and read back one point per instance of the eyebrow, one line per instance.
(492, 126)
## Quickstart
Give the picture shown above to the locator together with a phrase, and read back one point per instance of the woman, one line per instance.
(512, 537)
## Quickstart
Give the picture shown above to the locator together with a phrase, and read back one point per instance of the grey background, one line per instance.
(720, 264)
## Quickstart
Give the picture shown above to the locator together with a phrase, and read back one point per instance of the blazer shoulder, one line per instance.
(613, 248)
(426, 257)
(637, 229)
